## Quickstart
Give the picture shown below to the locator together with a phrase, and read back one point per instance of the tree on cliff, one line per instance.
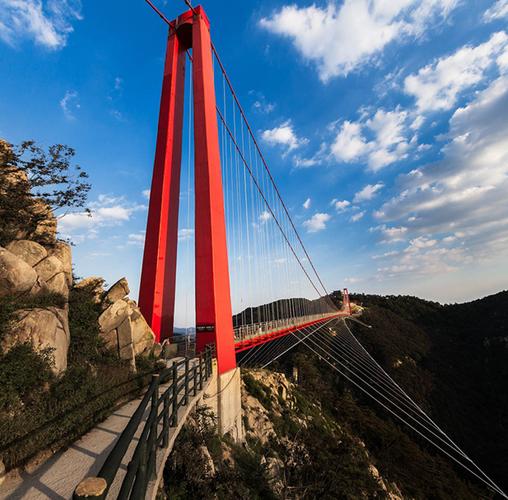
(35, 187)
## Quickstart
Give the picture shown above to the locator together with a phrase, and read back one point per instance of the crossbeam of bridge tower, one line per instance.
(214, 322)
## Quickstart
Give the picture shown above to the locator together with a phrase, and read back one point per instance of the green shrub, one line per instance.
(23, 372)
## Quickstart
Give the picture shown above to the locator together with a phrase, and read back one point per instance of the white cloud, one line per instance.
(47, 23)
(390, 138)
(460, 201)
(317, 222)
(146, 193)
(106, 211)
(70, 104)
(306, 204)
(417, 244)
(263, 106)
(438, 85)
(285, 136)
(265, 216)
(356, 217)
(498, 10)
(352, 280)
(349, 145)
(340, 205)
(341, 38)
(386, 255)
(390, 234)
(118, 83)
(368, 192)
(185, 234)
(136, 239)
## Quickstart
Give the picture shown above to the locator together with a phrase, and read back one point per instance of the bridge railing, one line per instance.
(246, 332)
(184, 382)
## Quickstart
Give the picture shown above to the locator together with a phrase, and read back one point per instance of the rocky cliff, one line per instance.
(36, 278)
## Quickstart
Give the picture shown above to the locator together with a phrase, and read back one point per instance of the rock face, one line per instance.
(16, 275)
(118, 291)
(29, 251)
(29, 269)
(123, 328)
(44, 329)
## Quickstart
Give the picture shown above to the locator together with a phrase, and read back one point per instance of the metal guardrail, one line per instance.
(163, 408)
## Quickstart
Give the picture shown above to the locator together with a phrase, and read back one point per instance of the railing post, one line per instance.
(139, 490)
(200, 372)
(186, 396)
(174, 414)
(195, 380)
(152, 437)
(165, 421)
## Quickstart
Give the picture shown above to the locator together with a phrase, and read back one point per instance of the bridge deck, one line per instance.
(249, 336)
(57, 477)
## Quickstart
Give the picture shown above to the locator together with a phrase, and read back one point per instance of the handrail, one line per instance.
(141, 468)
(246, 332)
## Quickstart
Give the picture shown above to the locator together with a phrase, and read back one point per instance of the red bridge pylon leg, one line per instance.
(158, 276)
(214, 321)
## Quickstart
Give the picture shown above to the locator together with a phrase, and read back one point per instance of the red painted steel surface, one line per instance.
(269, 337)
(157, 288)
(346, 301)
(213, 301)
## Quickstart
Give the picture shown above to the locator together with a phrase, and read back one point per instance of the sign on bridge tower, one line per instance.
(214, 323)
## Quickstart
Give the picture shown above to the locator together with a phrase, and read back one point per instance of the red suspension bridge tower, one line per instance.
(214, 323)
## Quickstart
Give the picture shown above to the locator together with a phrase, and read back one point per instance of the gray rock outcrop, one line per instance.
(29, 269)
(122, 326)
(16, 275)
(45, 329)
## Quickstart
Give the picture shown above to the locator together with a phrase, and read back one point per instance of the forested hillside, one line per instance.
(319, 437)
(454, 362)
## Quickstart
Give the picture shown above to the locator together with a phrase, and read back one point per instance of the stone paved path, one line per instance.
(56, 478)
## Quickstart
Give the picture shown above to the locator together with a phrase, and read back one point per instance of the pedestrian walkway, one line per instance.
(57, 478)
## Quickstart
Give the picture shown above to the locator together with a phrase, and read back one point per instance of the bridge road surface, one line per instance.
(56, 478)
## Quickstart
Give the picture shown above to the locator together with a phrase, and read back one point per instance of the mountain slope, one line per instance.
(454, 363)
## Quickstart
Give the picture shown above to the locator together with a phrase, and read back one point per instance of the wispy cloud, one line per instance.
(341, 38)
(438, 85)
(285, 136)
(48, 23)
(105, 211)
(317, 222)
(70, 104)
(499, 10)
(368, 192)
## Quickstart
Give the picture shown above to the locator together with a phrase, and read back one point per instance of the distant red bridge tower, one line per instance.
(214, 323)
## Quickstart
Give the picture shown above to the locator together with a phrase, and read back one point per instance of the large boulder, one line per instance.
(125, 345)
(43, 329)
(114, 315)
(16, 276)
(142, 335)
(118, 291)
(62, 251)
(49, 268)
(58, 284)
(30, 251)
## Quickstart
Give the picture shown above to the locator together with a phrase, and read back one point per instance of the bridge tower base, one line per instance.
(223, 397)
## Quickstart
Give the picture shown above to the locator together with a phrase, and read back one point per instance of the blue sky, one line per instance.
(384, 123)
